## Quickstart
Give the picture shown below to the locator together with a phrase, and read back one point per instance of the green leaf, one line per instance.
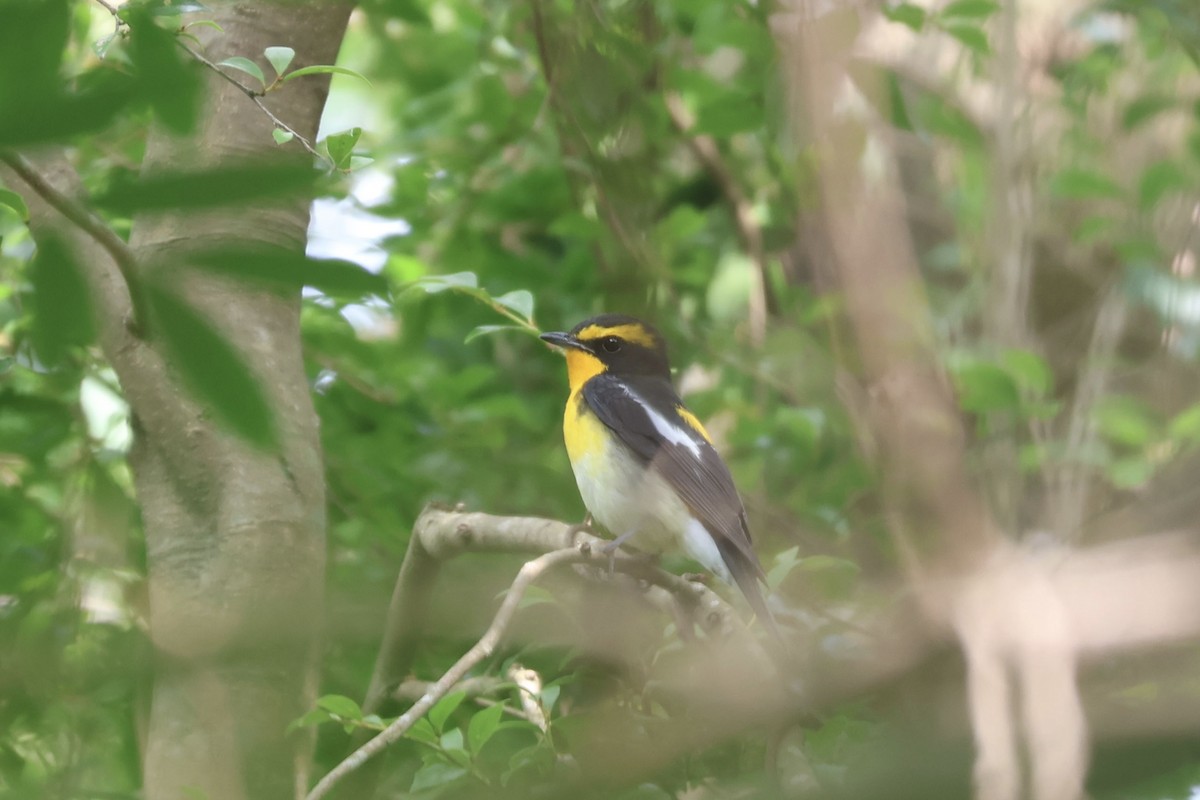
(15, 202)
(422, 731)
(1130, 473)
(220, 187)
(974, 38)
(444, 708)
(984, 388)
(281, 136)
(483, 725)
(1145, 108)
(487, 330)
(1186, 424)
(549, 696)
(440, 283)
(290, 270)
(212, 369)
(519, 302)
(906, 14)
(343, 706)
(341, 145)
(1082, 183)
(452, 745)
(431, 776)
(310, 718)
(171, 84)
(1158, 180)
(1126, 421)
(245, 65)
(785, 562)
(322, 69)
(1029, 370)
(62, 307)
(279, 58)
(969, 9)
(729, 115)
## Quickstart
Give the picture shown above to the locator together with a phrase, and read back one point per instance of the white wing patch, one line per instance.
(671, 433)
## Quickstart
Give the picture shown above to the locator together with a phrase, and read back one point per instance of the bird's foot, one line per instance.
(610, 549)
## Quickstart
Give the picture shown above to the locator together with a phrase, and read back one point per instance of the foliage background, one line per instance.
(540, 148)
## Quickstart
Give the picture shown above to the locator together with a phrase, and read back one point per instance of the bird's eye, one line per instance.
(611, 344)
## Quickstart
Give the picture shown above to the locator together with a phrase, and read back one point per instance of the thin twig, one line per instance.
(255, 97)
(706, 151)
(484, 648)
(90, 224)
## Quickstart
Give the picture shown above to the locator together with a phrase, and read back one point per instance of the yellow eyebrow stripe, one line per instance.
(694, 423)
(630, 332)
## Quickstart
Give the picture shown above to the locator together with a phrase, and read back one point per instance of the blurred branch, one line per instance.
(442, 534)
(706, 151)
(1071, 480)
(485, 647)
(26, 172)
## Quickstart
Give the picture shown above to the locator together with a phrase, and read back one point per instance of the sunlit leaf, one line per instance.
(281, 136)
(15, 202)
(211, 368)
(1186, 424)
(984, 388)
(1126, 421)
(279, 58)
(323, 69)
(440, 283)
(245, 65)
(974, 37)
(520, 302)
(969, 9)
(906, 14)
(341, 145)
(62, 308)
(343, 706)
(1029, 370)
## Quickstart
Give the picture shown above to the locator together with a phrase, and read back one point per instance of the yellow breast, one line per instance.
(584, 433)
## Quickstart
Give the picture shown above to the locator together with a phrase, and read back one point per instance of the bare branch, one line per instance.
(79, 215)
(441, 534)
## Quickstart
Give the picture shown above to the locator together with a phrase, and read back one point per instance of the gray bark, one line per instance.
(235, 535)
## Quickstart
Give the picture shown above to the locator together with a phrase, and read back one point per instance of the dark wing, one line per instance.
(692, 466)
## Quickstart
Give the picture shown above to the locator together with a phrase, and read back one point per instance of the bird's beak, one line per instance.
(563, 340)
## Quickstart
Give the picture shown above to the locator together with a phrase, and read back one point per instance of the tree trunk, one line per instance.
(235, 535)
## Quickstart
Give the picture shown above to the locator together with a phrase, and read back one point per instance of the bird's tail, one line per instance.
(747, 574)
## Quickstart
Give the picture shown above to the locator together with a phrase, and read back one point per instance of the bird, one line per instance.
(645, 466)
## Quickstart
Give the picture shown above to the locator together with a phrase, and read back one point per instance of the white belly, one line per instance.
(625, 497)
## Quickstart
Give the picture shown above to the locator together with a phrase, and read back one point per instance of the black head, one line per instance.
(613, 343)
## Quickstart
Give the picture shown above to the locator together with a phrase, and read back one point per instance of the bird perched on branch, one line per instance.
(645, 466)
